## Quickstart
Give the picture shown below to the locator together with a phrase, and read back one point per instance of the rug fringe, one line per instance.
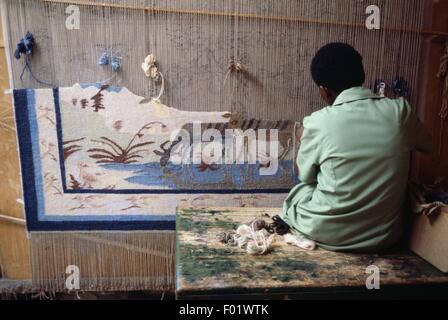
(107, 261)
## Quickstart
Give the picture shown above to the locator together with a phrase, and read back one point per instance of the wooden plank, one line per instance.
(14, 246)
(207, 267)
(429, 168)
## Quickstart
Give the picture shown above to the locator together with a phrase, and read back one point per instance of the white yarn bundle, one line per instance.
(256, 242)
(300, 241)
(151, 71)
(149, 67)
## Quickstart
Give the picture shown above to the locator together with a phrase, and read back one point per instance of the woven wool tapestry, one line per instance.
(101, 158)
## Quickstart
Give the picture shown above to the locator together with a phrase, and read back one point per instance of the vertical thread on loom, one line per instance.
(277, 59)
(108, 261)
(250, 99)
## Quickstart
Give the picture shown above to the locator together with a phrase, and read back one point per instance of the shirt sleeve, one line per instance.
(308, 159)
(418, 137)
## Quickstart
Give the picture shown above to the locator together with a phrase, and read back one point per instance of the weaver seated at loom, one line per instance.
(353, 163)
(353, 160)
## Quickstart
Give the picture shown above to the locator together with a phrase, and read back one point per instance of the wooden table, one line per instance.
(208, 269)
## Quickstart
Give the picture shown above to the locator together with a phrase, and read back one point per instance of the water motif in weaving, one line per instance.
(102, 158)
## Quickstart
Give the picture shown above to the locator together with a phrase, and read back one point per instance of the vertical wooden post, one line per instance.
(14, 245)
(429, 168)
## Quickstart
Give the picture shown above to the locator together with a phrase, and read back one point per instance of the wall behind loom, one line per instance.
(194, 48)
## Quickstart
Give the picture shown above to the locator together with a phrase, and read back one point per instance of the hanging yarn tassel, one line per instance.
(116, 63)
(233, 68)
(299, 241)
(104, 59)
(26, 47)
(151, 70)
(149, 67)
(400, 88)
(237, 67)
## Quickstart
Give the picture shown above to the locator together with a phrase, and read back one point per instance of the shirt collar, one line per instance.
(354, 94)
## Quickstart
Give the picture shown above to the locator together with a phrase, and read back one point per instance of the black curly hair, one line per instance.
(338, 67)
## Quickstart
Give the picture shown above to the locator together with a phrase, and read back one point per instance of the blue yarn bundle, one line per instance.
(115, 62)
(25, 46)
(400, 87)
(437, 196)
(104, 59)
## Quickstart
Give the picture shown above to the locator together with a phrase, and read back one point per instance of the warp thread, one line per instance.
(26, 47)
(234, 67)
(141, 260)
(443, 74)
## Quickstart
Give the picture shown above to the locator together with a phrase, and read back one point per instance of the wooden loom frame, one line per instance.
(16, 260)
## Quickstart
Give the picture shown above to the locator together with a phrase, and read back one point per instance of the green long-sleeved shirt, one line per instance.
(353, 164)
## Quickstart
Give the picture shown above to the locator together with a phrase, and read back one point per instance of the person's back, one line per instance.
(354, 164)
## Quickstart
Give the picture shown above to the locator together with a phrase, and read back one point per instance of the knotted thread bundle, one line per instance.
(149, 67)
(256, 242)
(104, 59)
(115, 62)
(26, 48)
(258, 237)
